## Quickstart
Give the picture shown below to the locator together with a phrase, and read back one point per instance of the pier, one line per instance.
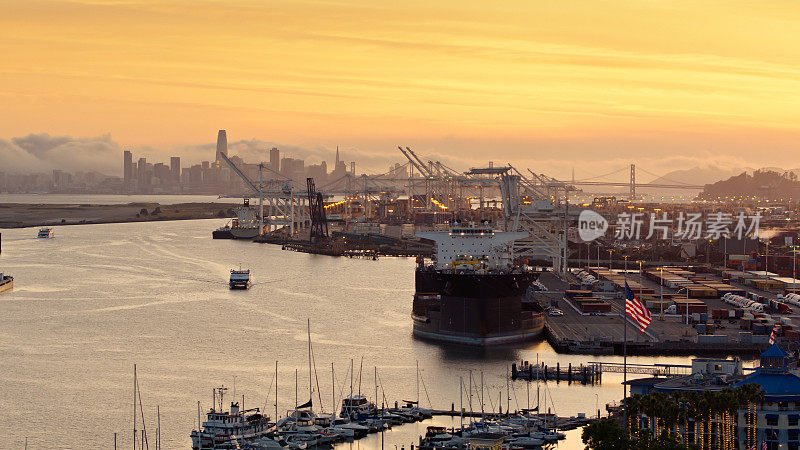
(585, 374)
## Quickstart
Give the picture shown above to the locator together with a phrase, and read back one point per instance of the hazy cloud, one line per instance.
(42, 153)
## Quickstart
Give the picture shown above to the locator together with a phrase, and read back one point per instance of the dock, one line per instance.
(585, 374)
(560, 423)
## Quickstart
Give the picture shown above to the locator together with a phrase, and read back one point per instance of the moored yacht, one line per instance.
(230, 429)
(45, 233)
(357, 407)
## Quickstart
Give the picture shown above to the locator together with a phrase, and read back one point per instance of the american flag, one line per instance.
(634, 308)
(773, 335)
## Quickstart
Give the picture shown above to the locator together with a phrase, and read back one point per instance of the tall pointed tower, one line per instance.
(222, 145)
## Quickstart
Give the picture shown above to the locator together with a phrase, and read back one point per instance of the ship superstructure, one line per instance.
(472, 293)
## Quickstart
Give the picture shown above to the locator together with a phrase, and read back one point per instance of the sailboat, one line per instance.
(300, 427)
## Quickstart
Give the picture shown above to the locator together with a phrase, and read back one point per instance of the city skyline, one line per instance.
(530, 83)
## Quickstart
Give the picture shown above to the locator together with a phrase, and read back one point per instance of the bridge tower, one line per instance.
(633, 183)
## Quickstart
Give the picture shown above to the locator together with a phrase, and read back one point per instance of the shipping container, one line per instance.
(712, 339)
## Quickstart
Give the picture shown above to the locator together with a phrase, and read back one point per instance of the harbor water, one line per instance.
(96, 299)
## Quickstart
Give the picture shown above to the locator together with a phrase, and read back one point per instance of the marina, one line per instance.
(165, 304)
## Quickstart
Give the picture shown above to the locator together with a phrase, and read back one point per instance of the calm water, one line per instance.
(96, 299)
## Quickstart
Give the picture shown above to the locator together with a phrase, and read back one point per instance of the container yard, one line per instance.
(695, 310)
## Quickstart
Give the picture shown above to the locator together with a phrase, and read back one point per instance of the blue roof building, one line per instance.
(774, 421)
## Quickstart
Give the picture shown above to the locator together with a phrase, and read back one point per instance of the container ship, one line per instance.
(472, 293)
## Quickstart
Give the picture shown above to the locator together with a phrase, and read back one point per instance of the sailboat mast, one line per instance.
(158, 435)
(351, 377)
(461, 400)
(134, 407)
(276, 395)
(417, 383)
(310, 389)
(360, 371)
(470, 396)
(482, 413)
(333, 392)
(508, 393)
(376, 385)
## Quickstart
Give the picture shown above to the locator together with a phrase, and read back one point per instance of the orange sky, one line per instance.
(522, 80)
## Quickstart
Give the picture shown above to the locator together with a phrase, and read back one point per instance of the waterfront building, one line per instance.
(175, 168)
(275, 159)
(774, 420)
(127, 163)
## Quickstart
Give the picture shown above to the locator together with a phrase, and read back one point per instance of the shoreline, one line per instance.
(20, 215)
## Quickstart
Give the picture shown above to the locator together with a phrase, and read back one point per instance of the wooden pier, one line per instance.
(584, 374)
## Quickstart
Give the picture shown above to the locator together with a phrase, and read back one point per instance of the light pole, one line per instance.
(661, 291)
(609, 260)
(598, 258)
(687, 310)
(794, 268)
(725, 261)
(597, 404)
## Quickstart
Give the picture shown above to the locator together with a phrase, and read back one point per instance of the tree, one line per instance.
(605, 434)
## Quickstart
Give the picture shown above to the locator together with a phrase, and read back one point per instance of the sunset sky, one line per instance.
(664, 84)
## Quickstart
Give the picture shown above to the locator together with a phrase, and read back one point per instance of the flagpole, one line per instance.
(625, 338)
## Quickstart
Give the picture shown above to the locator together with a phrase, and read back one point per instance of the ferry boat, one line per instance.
(240, 279)
(6, 283)
(45, 233)
(234, 428)
(472, 293)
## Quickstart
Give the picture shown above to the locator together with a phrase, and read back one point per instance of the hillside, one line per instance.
(762, 184)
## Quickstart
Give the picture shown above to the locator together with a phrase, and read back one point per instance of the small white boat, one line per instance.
(527, 441)
(45, 233)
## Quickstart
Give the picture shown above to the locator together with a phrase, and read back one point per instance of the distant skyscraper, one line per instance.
(275, 159)
(127, 164)
(142, 170)
(336, 164)
(222, 144)
(175, 168)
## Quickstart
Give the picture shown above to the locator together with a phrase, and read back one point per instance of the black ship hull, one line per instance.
(475, 309)
(222, 233)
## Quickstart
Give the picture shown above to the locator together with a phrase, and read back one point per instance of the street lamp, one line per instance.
(609, 260)
(597, 404)
(661, 291)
